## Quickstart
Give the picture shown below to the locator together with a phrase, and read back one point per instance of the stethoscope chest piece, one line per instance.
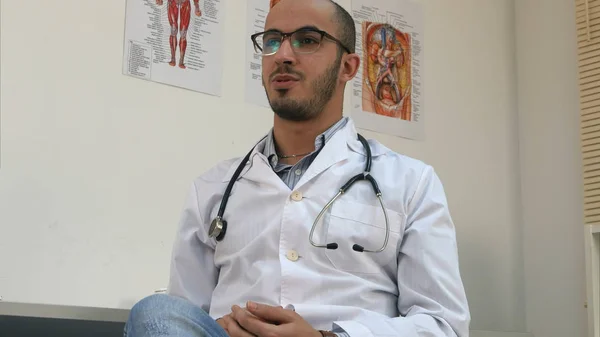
(217, 229)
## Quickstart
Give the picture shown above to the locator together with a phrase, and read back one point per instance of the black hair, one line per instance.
(346, 30)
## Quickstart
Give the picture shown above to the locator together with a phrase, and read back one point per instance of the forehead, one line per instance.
(289, 15)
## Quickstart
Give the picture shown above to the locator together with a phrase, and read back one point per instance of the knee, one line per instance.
(161, 307)
(151, 306)
(156, 314)
(148, 311)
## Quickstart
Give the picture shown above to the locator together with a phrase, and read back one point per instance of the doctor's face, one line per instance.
(301, 74)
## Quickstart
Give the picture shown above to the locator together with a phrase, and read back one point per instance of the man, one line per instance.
(267, 274)
(179, 8)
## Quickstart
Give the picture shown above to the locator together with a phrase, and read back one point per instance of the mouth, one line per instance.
(284, 81)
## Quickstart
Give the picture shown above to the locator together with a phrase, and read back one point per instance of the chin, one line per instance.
(282, 90)
(285, 93)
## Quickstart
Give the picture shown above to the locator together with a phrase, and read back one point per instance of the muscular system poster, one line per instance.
(175, 42)
(387, 94)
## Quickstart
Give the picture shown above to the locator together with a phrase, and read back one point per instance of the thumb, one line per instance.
(270, 313)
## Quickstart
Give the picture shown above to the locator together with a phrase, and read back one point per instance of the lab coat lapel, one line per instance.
(334, 151)
(255, 169)
(262, 172)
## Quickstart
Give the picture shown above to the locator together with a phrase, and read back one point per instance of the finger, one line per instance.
(271, 313)
(251, 323)
(222, 322)
(234, 329)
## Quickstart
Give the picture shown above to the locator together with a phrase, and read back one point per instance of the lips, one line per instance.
(284, 81)
(285, 77)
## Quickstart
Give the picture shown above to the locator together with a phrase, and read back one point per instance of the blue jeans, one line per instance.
(164, 315)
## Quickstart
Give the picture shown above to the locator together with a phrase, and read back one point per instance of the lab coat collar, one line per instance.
(356, 146)
(255, 151)
(334, 151)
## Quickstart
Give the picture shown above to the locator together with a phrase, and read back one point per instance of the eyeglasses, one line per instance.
(305, 40)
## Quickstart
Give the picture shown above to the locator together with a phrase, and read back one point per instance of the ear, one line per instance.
(349, 68)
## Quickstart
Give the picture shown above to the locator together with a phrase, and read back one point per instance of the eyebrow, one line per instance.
(307, 27)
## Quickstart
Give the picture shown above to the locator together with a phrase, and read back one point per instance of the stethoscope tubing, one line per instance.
(218, 226)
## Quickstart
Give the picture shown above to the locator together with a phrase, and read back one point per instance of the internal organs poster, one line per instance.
(387, 91)
(175, 42)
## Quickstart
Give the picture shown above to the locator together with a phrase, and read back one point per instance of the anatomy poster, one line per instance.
(257, 11)
(175, 42)
(387, 91)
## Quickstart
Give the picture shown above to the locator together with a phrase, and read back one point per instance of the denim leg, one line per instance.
(164, 315)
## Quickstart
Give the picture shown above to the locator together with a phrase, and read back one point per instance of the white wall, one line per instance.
(551, 167)
(471, 127)
(95, 165)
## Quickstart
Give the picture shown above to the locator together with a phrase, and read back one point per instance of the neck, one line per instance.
(294, 138)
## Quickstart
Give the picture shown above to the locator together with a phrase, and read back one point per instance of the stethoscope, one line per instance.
(218, 226)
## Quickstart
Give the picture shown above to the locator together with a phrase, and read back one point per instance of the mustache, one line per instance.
(285, 69)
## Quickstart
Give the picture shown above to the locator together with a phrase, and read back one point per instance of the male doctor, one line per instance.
(267, 275)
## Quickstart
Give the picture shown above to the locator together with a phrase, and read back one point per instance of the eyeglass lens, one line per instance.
(304, 41)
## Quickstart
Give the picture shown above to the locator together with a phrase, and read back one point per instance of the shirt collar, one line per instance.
(348, 133)
(320, 140)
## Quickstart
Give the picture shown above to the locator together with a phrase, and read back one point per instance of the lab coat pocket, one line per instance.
(356, 223)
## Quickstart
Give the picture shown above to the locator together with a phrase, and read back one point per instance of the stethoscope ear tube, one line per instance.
(235, 177)
(367, 148)
(218, 226)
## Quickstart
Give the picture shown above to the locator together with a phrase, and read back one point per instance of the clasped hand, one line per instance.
(265, 321)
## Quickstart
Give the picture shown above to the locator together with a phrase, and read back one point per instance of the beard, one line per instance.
(298, 110)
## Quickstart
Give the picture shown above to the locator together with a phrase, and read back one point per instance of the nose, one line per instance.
(285, 54)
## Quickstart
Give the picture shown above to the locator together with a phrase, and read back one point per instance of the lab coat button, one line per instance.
(296, 196)
(292, 255)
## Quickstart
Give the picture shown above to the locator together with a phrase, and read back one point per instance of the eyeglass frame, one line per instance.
(286, 35)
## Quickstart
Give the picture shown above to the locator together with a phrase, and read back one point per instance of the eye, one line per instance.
(308, 40)
(272, 42)
(271, 39)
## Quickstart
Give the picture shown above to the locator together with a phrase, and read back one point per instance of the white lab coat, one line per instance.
(413, 288)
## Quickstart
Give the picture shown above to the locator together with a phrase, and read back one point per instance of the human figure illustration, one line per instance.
(179, 13)
(387, 58)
